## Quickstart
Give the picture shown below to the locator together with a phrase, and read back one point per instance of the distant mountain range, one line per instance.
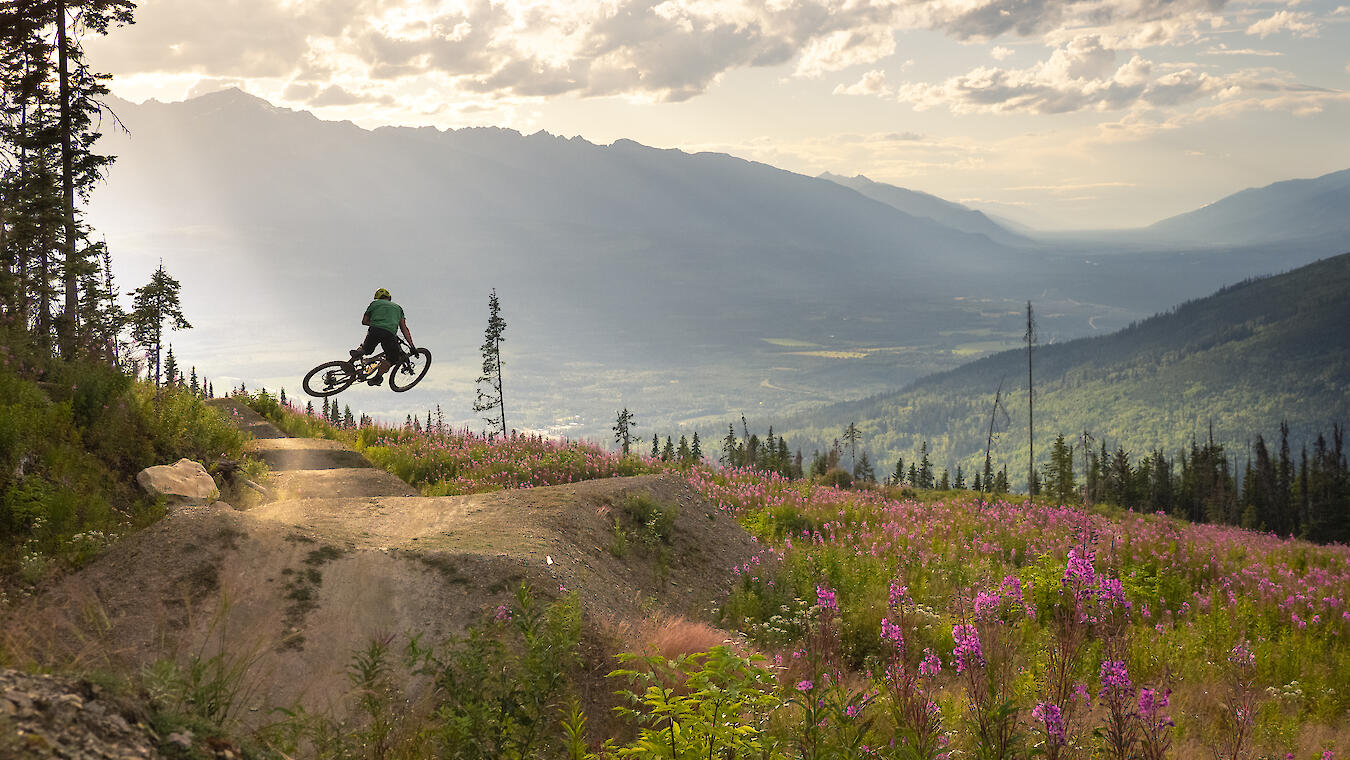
(1295, 209)
(689, 287)
(1238, 363)
(915, 203)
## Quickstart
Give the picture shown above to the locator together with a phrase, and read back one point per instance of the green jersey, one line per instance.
(385, 314)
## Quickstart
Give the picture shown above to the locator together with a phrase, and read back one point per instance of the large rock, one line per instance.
(183, 482)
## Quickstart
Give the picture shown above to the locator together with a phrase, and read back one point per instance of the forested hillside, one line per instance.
(1237, 363)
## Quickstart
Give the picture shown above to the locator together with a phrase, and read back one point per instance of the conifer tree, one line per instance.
(729, 457)
(696, 449)
(623, 430)
(898, 475)
(944, 482)
(490, 395)
(156, 309)
(1001, 481)
(925, 468)
(656, 446)
(960, 483)
(683, 453)
(309, 407)
(348, 421)
(170, 367)
(852, 435)
(863, 470)
(194, 386)
(668, 453)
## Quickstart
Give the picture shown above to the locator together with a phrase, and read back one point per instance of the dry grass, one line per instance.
(73, 637)
(663, 634)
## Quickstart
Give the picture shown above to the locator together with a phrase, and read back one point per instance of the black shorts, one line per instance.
(378, 336)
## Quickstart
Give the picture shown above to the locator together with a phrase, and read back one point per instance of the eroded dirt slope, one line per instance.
(347, 553)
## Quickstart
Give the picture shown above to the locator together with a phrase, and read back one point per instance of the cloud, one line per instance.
(1001, 53)
(667, 50)
(1294, 22)
(1081, 75)
(1086, 75)
(1222, 49)
(872, 83)
(336, 95)
(987, 19)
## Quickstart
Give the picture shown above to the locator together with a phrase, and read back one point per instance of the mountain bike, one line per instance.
(337, 376)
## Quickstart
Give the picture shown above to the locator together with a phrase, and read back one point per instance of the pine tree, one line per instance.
(852, 435)
(195, 387)
(925, 468)
(683, 453)
(623, 430)
(157, 308)
(944, 481)
(898, 475)
(960, 483)
(696, 450)
(668, 453)
(728, 457)
(309, 407)
(348, 421)
(490, 382)
(283, 393)
(656, 446)
(863, 470)
(170, 367)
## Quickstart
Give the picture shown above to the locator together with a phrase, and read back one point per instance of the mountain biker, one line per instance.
(383, 316)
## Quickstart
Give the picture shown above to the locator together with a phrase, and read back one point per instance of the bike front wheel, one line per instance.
(410, 371)
(329, 378)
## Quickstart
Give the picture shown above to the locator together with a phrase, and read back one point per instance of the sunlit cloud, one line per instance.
(1081, 75)
(871, 83)
(1284, 21)
(642, 49)
(1222, 49)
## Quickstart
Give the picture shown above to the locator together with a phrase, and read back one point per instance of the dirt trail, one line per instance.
(348, 552)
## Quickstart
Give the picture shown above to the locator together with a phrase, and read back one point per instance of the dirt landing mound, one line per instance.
(295, 587)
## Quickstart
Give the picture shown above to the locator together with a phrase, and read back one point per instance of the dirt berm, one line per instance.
(349, 552)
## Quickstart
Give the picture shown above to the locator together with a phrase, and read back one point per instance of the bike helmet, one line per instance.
(382, 293)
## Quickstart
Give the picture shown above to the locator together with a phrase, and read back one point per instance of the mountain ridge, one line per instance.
(1239, 362)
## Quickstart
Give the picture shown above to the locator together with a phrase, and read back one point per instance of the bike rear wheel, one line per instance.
(410, 371)
(330, 378)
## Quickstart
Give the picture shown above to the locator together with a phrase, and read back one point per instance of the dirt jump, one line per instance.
(346, 552)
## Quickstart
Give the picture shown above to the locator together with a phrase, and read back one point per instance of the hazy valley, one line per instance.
(690, 288)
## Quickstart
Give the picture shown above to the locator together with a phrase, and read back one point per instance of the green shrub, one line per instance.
(70, 448)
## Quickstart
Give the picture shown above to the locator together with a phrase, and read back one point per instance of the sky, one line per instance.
(1060, 114)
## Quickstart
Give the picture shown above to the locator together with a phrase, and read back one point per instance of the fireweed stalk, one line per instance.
(1155, 726)
(1070, 624)
(1240, 706)
(984, 656)
(909, 680)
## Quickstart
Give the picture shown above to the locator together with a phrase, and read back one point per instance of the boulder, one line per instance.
(183, 482)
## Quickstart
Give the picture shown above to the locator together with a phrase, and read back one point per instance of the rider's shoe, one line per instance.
(377, 380)
(356, 353)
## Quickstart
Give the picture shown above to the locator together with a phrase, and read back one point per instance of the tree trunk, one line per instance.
(501, 395)
(68, 325)
(1031, 420)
